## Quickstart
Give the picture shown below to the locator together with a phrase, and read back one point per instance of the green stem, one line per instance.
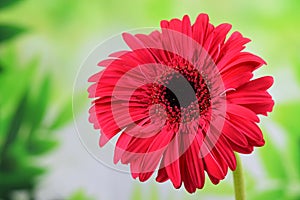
(238, 180)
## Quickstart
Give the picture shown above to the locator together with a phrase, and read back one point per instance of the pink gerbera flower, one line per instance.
(182, 101)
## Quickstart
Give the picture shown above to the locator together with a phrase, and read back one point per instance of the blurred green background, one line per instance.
(42, 45)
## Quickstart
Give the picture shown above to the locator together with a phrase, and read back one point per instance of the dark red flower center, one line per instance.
(180, 92)
(183, 93)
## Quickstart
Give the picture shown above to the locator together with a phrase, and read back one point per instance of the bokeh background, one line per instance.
(42, 46)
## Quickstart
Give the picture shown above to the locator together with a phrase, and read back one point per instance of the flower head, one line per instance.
(182, 101)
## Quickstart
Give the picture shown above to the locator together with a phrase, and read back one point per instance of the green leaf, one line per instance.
(13, 129)
(274, 194)
(15, 78)
(270, 155)
(9, 58)
(6, 3)
(80, 195)
(297, 156)
(292, 159)
(154, 195)
(21, 178)
(1, 68)
(41, 146)
(287, 117)
(158, 9)
(137, 193)
(65, 113)
(39, 104)
(210, 188)
(8, 32)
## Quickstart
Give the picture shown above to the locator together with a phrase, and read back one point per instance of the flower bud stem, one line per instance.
(238, 180)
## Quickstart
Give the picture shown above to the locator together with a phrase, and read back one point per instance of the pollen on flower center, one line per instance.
(184, 95)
